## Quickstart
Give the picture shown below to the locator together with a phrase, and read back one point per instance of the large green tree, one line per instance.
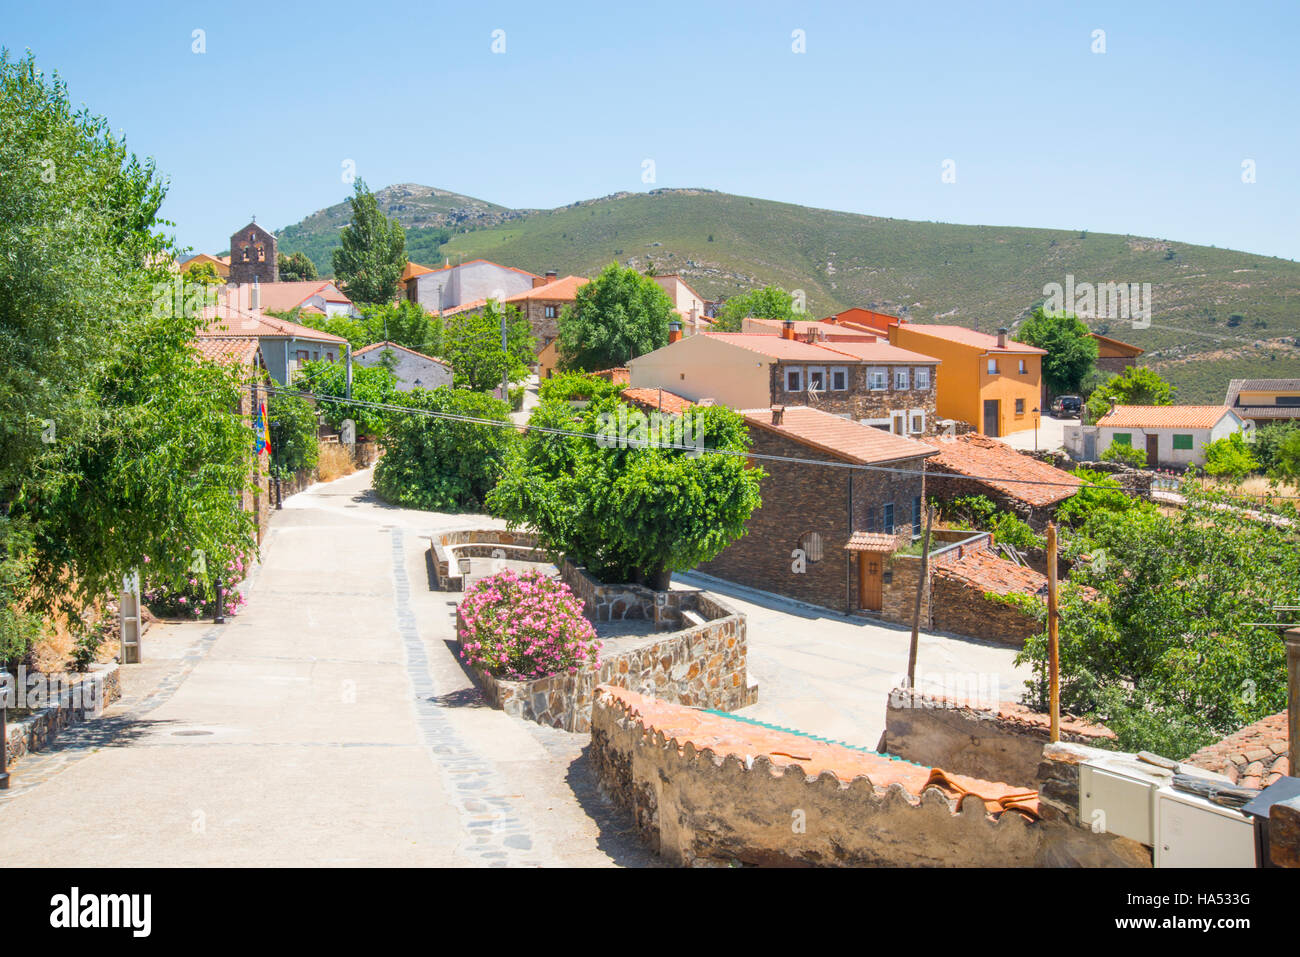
(405, 323)
(371, 385)
(769, 302)
(1071, 349)
(370, 261)
(618, 315)
(471, 342)
(1137, 385)
(295, 268)
(629, 510)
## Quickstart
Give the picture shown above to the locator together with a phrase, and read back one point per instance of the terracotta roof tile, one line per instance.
(619, 375)
(998, 466)
(658, 399)
(871, 542)
(1256, 752)
(972, 337)
(225, 322)
(987, 572)
(566, 289)
(234, 349)
(842, 438)
(1163, 416)
(393, 345)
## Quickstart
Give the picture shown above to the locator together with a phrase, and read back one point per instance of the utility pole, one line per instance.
(505, 372)
(348, 359)
(920, 591)
(1053, 644)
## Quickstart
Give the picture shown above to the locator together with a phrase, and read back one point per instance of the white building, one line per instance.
(472, 282)
(1170, 435)
(414, 370)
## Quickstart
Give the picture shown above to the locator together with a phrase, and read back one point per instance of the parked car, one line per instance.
(1067, 407)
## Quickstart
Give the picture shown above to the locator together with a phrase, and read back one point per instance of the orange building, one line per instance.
(991, 382)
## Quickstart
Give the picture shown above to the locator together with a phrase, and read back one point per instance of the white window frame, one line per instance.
(902, 380)
(878, 373)
(921, 377)
(898, 421)
(797, 371)
(992, 367)
(839, 370)
(882, 424)
(1024, 367)
(912, 416)
(816, 371)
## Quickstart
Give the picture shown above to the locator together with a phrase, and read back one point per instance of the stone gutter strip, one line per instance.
(697, 733)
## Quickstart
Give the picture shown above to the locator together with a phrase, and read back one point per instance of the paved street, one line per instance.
(330, 722)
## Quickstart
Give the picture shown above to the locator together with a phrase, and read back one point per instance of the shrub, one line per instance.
(1230, 456)
(294, 446)
(196, 596)
(525, 626)
(1128, 454)
(442, 464)
(1103, 495)
(1269, 440)
(575, 386)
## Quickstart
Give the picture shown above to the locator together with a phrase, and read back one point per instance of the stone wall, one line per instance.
(1002, 743)
(39, 729)
(720, 794)
(446, 547)
(963, 609)
(859, 401)
(703, 667)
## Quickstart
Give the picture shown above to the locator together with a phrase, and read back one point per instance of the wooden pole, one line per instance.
(1053, 646)
(1292, 639)
(920, 591)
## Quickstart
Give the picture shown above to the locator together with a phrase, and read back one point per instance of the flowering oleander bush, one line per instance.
(525, 626)
(196, 596)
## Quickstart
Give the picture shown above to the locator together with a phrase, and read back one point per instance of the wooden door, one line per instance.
(870, 569)
(991, 417)
(1153, 450)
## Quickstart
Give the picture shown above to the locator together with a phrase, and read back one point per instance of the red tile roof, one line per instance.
(414, 269)
(842, 438)
(225, 322)
(880, 351)
(447, 267)
(971, 337)
(774, 347)
(1163, 416)
(871, 542)
(235, 349)
(393, 345)
(998, 465)
(986, 571)
(825, 353)
(1253, 757)
(619, 375)
(463, 307)
(862, 319)
(284, 296)
(658, 399)
(566, 289)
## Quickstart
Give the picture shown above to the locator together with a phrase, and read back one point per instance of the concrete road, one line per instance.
(1051, 435)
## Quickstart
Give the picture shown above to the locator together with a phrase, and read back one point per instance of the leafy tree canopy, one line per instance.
(405, 323)
(618, 315)
(1071, 349)
(1137, 385)
(369, 384)
(1230, 456)
(295, 268)
(472, 344)
(372, 257)
(770, 302)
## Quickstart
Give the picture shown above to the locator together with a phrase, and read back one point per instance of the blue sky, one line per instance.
(1147, 138)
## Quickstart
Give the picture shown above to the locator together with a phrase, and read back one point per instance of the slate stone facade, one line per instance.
(252, 256)
(859, 401)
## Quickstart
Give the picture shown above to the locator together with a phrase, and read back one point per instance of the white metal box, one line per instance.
(1193, 832)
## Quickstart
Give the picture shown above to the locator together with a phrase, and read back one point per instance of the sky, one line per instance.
(1034, 124)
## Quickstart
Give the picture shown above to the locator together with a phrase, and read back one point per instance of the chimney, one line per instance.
(255, 296)
(777, 412)
(552, 275)
(787, 329)
(539, 281)
(1002, 338)
(674, 331)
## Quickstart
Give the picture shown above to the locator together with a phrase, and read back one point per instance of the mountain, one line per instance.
(1217, 313)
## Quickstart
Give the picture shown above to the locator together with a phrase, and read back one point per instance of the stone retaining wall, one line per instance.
(704, 667)
(698, 797)
(36, 731)
(998, 744)
(446, 547)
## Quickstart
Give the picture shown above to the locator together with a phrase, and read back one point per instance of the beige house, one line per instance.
(687, 303)
(1265, 400)
(870, 382)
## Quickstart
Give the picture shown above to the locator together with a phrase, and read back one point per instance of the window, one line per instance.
(839, 379)
(916, 515)
(1287, 400)
(329, 357)
(921, 377)
(794, 379)
(817, 378)
(993, 367)
(887, 517)
(1020, 406)
(1122, 438)
(1024, 367)
(315, 355)
(302, 355)
(1183, 442)
(552, 312)
(878, 380)
(811, 543)
(900, 379)
(261, 254)
(918, 422)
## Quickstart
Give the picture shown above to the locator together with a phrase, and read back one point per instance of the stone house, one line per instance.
(796, 542)
(977, 465)
(284, 345)
(252, 256)
(868, 381)
(542, 304)
(414, 370)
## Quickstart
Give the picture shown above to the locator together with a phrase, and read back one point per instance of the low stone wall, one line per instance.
(705, 789)
(898, 593)
(998, 744)
(704, 667)
(39, 729)
(962, 609)
(625, 601)
(446, 547)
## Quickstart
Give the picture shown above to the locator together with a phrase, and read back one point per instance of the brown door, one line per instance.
(870, 566)
(1153, 451)
(991, 417)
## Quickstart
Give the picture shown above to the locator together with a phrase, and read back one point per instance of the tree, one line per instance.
(1138, 385)
(1287, 460)
(1268, 440)
(442, 464)
(1128, 454)
(629, 510)
(618, 315)
(370, 384)
(372, 257)
(472, 344)
(205, 274)
(770, 302)
(407, 324)
(295, 268)
(1071, 349)
(118, 446)
(1229, 456)
(294, 445)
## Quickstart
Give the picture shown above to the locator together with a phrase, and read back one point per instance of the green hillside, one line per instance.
(1227, 307)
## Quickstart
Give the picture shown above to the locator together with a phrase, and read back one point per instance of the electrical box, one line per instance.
(1194, 832)
(1120, 800)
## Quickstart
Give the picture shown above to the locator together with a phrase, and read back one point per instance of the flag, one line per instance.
(263, 431)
